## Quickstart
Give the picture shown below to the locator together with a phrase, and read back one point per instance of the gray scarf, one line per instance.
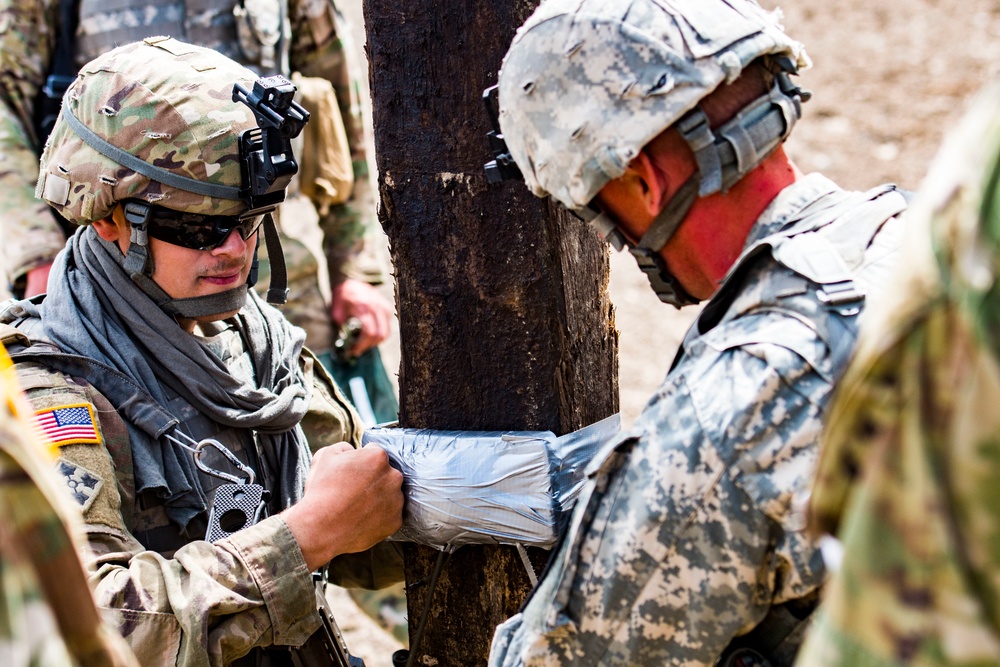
(94, 310)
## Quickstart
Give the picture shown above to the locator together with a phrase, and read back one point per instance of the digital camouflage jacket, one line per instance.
(689, 532)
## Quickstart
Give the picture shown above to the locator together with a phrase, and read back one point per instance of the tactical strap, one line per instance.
(670, 218)
(727, 154)
(127, 397)
(98, 7)
(277, 293)
(62, 62)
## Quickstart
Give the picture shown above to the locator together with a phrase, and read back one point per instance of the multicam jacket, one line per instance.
(689, 534)
(909, 478)
(28, 33)
(177, 599)
(49, 616)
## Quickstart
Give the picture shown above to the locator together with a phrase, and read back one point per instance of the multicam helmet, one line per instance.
(169, 133)
(173, 131)
(586, 84)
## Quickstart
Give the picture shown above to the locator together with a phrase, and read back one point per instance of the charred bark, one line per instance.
(505, 320)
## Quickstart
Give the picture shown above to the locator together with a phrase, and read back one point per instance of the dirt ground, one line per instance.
(890, 76)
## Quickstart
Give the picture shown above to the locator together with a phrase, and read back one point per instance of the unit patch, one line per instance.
(68, 425)
(83, 485)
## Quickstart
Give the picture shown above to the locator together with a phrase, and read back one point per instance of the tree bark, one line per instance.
(505, 319)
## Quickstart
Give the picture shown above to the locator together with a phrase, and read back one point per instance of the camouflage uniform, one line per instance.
(909, 457)
(28, 33)
(48, 615)
(176, 598)
(690, 533)
(688, 544)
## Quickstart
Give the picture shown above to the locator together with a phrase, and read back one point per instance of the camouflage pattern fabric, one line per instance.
(908, 478)
(688, 532)
(28, 31)
(47, 614)
(27, 36)
(188, 602)
(146, 122)
(613, 101)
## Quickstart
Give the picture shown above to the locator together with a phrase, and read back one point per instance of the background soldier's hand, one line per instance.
(38, 279)
(353, 500)
(355, 298)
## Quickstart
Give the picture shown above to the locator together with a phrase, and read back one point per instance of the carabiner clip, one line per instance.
(199, 447)
(222, 449)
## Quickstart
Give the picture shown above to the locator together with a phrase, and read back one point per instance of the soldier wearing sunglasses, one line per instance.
(214, 460)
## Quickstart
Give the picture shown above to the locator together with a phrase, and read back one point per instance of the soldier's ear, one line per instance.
(652, 183)
(107, 229)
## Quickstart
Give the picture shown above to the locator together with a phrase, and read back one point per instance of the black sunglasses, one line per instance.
(198, 232)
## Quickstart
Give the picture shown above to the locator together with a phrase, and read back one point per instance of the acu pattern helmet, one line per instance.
(586, 84)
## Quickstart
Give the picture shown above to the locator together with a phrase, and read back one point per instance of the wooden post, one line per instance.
(505, 320)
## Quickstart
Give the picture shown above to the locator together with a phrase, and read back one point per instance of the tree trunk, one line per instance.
(505, 320)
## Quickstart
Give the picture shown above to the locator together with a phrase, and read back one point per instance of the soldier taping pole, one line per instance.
(496, 290)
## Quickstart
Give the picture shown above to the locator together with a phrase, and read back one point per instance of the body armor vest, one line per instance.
(254, 33)
(819, 257)
(153, 528)
(149, 523)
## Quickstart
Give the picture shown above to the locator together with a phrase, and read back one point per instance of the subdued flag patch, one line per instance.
(68, 425)
(83, 485)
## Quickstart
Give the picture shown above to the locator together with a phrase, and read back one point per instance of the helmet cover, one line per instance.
(165, 102)
(587, 84)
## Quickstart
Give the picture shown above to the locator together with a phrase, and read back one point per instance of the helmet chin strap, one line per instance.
(647, 252)
(138, 264)
(724, 156)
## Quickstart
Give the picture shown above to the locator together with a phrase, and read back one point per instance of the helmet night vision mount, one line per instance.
(266, 160)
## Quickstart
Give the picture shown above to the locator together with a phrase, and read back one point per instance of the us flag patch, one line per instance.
(68, 425)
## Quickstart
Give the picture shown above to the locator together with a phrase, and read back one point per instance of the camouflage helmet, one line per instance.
(586, 84)
(158, 125)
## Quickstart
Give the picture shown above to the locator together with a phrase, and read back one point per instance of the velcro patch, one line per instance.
(68, 425)
(83, 485)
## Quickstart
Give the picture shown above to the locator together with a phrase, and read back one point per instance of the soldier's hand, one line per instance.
(354, 298)
(353, 500)
(38, 279)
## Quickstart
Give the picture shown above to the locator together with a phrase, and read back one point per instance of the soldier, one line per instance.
(49, 614)
(663, 124)
(183, 406)
(909, 454)
(55, 37)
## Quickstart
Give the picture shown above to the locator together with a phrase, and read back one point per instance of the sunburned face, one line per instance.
(183, 272)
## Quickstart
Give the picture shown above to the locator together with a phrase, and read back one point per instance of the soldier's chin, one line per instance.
(205, 319)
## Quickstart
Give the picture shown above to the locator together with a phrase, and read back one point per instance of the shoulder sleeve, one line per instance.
(206, 603)
(315, 43)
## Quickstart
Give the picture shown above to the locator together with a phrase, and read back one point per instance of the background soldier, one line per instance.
(183, 405)
(664, 123)
(908, 475)
(310, 38)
